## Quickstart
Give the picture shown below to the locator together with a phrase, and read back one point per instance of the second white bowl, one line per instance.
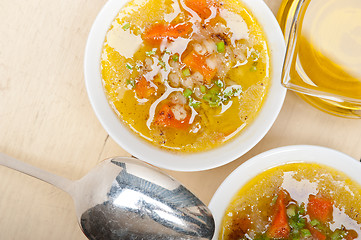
(279, 156)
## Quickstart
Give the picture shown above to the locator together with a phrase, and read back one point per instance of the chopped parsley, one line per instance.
(220, 46)
(186, 72)
(187, 92)
(126, 26)
(217, 95)
(255, 55)
(193, 103)
(131, 83)
(127, 65)
(253, 69)
(151, 53)
(219, 83)
(162, 64)
(175, 58)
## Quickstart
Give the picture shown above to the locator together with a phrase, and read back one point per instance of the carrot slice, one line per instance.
(320, 208)
(159, 31)
(201, 7)
(279, 227)
(198, 63)
(317, 235)
(143, 88)
(166, 118)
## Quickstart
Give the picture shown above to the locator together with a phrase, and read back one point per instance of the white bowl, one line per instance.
(143, 150)
(275, 157)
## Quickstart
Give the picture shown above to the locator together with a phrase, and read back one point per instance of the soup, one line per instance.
(185, 75)
(295, 201)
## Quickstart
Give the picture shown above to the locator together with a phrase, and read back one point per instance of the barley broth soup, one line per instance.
(185, 75)
(295, 201)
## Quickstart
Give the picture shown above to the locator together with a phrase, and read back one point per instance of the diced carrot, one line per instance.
(198, 63)
(279, 227)
(159, 31)
(166, 118)
(143, 88)
(316, 235)
(201, 7)
(320, 208)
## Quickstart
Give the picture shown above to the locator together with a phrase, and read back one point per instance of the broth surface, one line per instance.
(185, 75)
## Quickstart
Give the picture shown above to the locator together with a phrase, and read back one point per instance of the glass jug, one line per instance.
(323, 57)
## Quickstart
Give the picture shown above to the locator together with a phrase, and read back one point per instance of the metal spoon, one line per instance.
(125, 198)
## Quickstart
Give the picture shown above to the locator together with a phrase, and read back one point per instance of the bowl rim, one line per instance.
(198, 161)
(276, 157)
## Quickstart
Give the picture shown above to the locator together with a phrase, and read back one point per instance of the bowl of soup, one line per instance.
(293, 192)
(185, 85)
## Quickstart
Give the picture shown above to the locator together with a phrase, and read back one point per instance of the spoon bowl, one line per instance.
(125, 198)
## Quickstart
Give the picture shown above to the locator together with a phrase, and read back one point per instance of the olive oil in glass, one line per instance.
(323, 59)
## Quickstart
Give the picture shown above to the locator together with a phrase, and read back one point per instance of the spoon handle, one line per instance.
(35, 172)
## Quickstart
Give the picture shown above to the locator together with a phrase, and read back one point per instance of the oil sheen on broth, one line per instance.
(185, 75)
(318, 203)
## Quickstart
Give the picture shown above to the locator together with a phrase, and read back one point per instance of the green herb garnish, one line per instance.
(193, 103)
(162, 64)
(262, 237)
(255, 55)
(291, 211)
(131, 83)
(338, 234)
(130, 67)
(186, 72)
(187, 92)
(126, 26)
(212, 97)
(220, 46)
(314, 222)
(301, 209)
(306, 233)
(253, 69)
(175, 58)
(219, 83)
(233, 91)
(151, 53)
